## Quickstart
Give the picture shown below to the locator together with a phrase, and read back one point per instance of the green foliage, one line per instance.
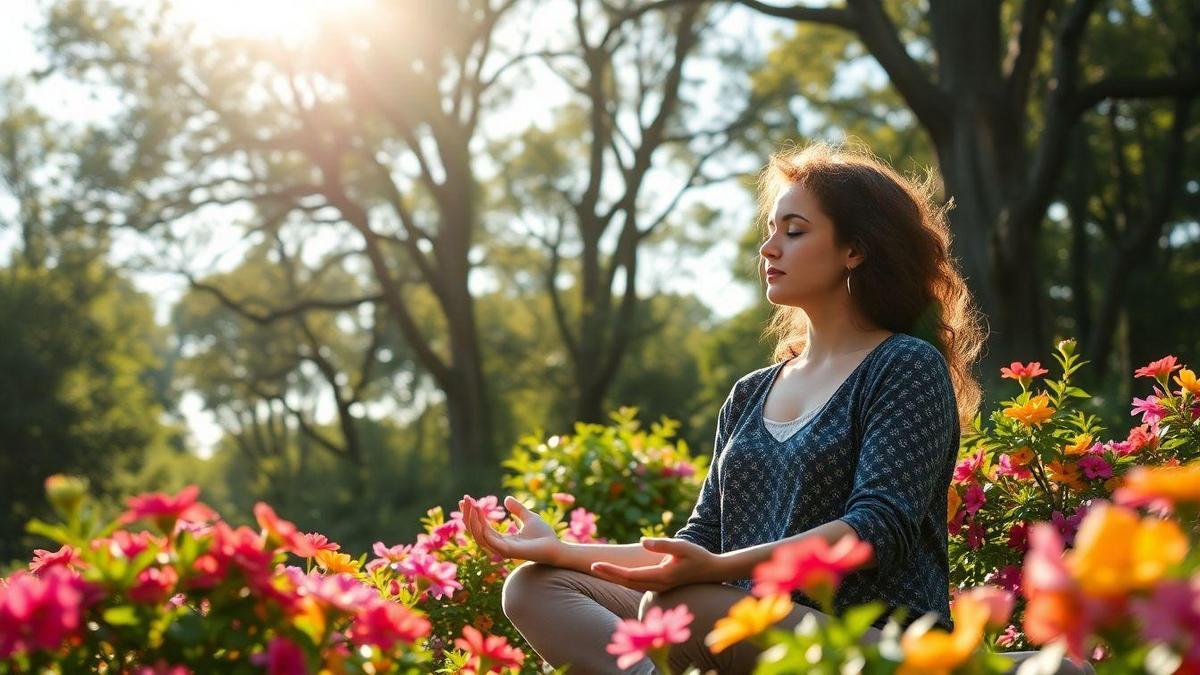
(637, 482)
(78, 393)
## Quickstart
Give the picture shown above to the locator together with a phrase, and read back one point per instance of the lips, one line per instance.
(774, 272)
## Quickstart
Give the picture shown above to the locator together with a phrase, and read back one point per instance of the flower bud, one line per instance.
(66, 493)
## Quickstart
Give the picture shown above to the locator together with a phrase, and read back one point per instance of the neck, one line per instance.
(837, 328)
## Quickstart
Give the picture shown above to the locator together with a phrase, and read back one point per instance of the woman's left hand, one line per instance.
(685, 563)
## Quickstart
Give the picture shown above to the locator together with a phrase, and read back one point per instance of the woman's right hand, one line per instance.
(536, 540)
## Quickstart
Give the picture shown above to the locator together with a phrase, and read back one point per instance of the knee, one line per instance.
(522, 588)
(663, 600)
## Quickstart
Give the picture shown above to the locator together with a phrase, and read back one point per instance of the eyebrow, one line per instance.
(789, 217)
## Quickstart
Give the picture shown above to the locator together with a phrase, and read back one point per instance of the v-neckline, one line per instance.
(762, 402)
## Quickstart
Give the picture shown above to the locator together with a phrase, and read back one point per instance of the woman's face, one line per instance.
(801, 261)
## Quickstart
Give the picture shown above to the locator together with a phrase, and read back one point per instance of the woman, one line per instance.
(854, 430)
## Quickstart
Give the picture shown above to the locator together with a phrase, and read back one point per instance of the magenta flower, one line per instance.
(308, 543)
(430, 574)
(1018, 536)
(1150, 409)
(153, 585)
(967, 466)
(975, 534)
(1007, 577)
(1009, 637)
(1006, 467)
(341, 591)
(38, 613)
(974, 498)
(1094, 466)
(489, 653)
(1067, 526)
(164, 510)
(1171, 614)
(282, 657)
(657, 630)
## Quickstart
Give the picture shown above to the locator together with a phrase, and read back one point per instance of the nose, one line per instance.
(768, 249)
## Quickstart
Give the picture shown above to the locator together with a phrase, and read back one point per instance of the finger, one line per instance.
(651, 574)
(628, 583)
(516, 508)
(672, 546)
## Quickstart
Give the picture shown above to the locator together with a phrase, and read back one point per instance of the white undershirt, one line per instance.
(784, 430)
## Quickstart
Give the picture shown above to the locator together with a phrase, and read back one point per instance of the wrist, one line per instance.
(558, 554)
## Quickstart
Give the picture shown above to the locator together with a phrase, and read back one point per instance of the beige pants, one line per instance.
(569, 617)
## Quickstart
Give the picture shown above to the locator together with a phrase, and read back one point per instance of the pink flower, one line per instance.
(240, 549)
(1022, 372)
(810, 565)
(282, 657)
(122, 544)
(153, 585)
(974, 498)
(682, 469)
(1006, 467)
(1171, 614)
(307, 544)
(340, 591)
(1094, 467)
(563, 499)
(1119, 448)
(582, 529)
(490, 653)
(999, 603)
(1009, 637)
(431, 575)
(39, 612)
(956, 523)
(1159, 369)
(1150, 409)
(967, 466)
(63, 557)
(657, 630)
(384, 623)
(490, 506)
(162, 668)
(164, 510)
(1141, 437)
(280, 532)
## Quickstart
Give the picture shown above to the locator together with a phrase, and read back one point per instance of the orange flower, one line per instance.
(1116, 551)
(936, 652)
(1173, 483)
(1021, 456)
(1033, 413)
(953, 501)
(334, 562)
(1079, 446)
(1068, 474)
(746, 618)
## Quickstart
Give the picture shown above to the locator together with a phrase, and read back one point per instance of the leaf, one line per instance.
(121, 615)
(858, 619)
(57, 533)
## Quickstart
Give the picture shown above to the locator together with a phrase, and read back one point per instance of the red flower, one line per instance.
(1159, 369)
(810, 565)
(44, 560)
(282, 657)
(164, 510)
(153, 585)
(384, 623)
(489, 653)
(280, 532)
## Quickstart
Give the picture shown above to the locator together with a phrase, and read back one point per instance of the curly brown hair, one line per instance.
(908, 282)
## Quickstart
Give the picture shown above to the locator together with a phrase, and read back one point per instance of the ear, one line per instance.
(854, 256)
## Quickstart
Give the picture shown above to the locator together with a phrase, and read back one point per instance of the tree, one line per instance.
(364, 135)
(998, 89)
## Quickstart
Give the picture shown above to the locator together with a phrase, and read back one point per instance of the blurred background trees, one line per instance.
(370, 255)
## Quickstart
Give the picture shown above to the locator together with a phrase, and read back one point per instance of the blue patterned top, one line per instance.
(878, 455)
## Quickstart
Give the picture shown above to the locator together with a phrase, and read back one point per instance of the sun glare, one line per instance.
(268, 19)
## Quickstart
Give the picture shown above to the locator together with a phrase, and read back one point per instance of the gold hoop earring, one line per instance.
(848, 271)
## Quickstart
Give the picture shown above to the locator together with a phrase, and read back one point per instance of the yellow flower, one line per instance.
(936, 652)
(1068, 474)
(332, 561)
(1079, 446)
(747, 617)
(1173, 483)
(1033, 413)
(1186, 379)
(1116, 552)
(953, 501)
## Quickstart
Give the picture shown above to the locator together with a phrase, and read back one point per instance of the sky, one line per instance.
(706, 274)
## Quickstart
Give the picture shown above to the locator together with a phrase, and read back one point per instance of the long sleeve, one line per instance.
(910, 434)
(703, 527)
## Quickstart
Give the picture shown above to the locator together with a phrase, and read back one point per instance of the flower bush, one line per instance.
(636, 483)
(192, 593)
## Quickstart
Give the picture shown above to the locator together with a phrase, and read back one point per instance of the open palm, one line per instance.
(536, 540)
